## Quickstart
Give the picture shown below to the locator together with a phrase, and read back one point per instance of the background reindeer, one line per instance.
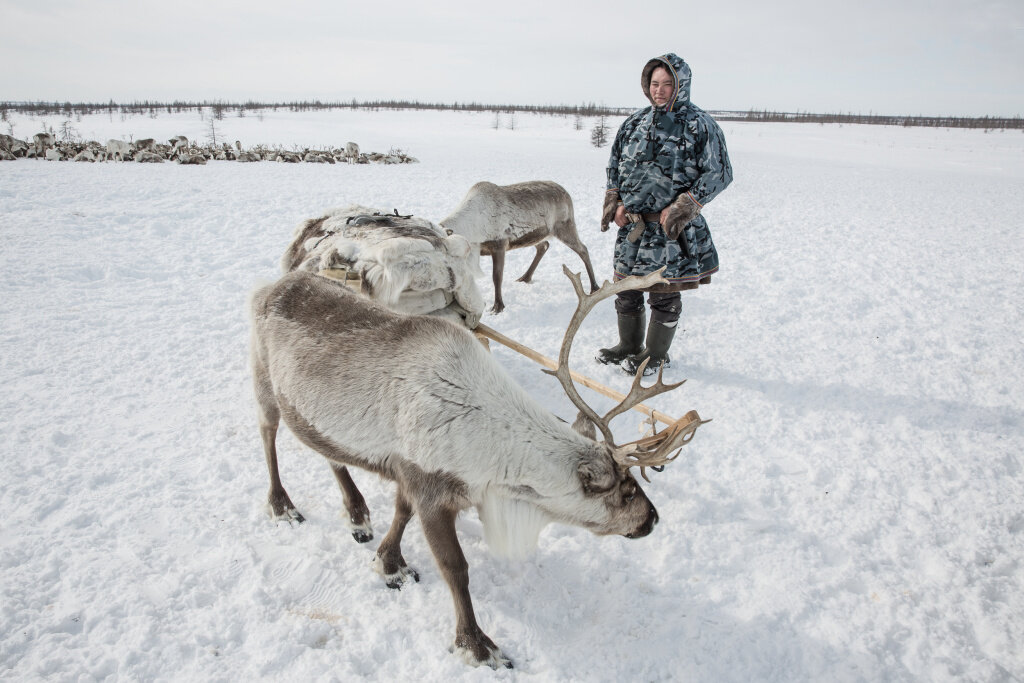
(503, 217)
(447, 424)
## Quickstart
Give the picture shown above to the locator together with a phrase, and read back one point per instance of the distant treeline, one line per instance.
(984, 122)
(220, 109)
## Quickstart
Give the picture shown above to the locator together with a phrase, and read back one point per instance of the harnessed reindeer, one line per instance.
(446, 423)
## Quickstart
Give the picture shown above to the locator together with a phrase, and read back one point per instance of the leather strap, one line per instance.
(643, 217)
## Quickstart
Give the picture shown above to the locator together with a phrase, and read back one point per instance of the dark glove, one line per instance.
(611, 203)
(680, 213)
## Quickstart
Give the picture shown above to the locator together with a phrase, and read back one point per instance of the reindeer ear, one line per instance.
(584, 426)
(597, 472)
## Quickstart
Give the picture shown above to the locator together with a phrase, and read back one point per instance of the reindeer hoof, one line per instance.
(401, 577)
(398, 578)
(284, 513)
(291, 516)
(480, 650)
(361, 531)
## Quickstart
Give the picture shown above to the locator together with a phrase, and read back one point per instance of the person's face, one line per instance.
(662, 86)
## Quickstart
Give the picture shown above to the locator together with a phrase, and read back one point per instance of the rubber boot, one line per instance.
(659, 339)
(631, 339)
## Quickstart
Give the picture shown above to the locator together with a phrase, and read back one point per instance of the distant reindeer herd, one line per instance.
(179, 149)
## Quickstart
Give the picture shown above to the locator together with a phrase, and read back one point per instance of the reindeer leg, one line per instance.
(389, 561)
(585, 255)
(358, 513)
(497, 271)
(270, 417)
(471, 643)
(278, 500)
(567, 234)
(542, 249)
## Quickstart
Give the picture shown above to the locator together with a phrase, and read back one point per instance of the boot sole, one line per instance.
(648, 371)
(612, 361)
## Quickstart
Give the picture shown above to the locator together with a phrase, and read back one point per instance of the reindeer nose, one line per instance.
(648, 526)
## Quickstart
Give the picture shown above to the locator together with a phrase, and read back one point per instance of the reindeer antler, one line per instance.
(648, 452)
(653, 451)
(638, 393)
(585, 304)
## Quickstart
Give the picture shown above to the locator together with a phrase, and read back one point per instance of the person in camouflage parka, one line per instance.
(668, 160)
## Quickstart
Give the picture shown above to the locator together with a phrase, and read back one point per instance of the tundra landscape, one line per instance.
(852, 511)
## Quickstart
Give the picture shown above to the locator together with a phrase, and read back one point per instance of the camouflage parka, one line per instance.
(660, 153)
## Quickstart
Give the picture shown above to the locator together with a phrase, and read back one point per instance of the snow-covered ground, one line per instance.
(854, 511)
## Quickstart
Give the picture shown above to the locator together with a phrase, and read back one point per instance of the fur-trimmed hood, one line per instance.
(680, 71)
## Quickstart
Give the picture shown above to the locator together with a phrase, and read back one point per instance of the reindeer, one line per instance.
(445, 422)
(503, 217)
(186, 159)
(13, 146)
(179, 143)
(406, 263)
(42, 142)
(117, 149)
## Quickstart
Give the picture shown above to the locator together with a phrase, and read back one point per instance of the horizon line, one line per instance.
(585, 109)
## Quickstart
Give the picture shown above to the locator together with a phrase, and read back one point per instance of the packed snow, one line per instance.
(853, 512)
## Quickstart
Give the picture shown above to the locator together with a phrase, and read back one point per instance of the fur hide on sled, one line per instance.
(406, 263)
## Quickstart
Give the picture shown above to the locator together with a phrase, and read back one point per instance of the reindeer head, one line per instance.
(616, 500)
(604, 472)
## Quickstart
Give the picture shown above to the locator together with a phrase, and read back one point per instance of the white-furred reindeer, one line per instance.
(444, 421)
(42, 142)
(117, 149)
(178, 143)
(502, 217)
(406, 263)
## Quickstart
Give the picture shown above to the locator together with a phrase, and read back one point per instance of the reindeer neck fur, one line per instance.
(529, 481)
(475, 217)
(533, 466)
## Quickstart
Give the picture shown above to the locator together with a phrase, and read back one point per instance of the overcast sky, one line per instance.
(931, 57)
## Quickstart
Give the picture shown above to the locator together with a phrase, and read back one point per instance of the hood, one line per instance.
(680, 71)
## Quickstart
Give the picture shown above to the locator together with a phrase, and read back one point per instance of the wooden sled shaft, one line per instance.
(550, 364)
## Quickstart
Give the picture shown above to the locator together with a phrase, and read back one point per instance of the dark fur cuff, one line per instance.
(680, 212)
(611, 203)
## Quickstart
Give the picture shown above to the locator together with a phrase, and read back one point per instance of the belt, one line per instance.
(645, 217)
(641, 220)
